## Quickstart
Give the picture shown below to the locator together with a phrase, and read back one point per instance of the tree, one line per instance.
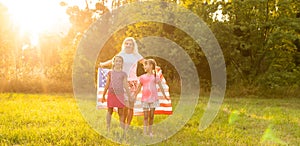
(8, 51)
(259, 40)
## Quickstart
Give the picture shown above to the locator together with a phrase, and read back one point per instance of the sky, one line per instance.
(34, 17)
(42, 16)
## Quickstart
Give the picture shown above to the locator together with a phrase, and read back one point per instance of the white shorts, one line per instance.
(148, 105)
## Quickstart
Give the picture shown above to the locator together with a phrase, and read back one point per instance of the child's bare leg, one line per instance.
(108, 118)
(130, 115)
(151, 119)
(121, 117)
(146, 120)
(125, 111)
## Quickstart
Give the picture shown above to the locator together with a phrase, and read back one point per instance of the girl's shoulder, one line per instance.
(147, 76)
(112, 71)
(124, 73)
(143, 76)
(119, 72)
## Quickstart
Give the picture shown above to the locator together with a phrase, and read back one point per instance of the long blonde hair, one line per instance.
(135, 46)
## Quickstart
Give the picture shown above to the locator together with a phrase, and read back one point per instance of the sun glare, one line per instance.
(35, 16)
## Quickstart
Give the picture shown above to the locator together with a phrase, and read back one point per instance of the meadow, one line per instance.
(55, 119)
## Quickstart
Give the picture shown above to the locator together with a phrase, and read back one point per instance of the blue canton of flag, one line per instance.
(101, 81)
(102, 77)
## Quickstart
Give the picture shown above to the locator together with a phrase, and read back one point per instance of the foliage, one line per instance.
(259, 40)
(7, 48)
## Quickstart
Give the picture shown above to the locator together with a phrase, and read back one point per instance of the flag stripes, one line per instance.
(165, 105)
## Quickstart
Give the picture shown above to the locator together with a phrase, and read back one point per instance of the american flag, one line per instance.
(165, 105)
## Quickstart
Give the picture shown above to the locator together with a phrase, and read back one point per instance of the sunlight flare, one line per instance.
(35, 16)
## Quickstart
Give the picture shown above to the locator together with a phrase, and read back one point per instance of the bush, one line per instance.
(275, 80)
(35, 85)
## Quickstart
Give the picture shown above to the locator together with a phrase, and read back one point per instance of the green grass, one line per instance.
(45, 119)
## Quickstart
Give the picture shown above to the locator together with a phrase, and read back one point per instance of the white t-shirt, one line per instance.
(130, 64)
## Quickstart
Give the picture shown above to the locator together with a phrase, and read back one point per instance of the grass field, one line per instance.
(45, 119)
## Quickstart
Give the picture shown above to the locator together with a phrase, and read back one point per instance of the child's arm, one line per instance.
(106, 63)
(125, 84)
(106, 87)
(162, 90)
(137, 91)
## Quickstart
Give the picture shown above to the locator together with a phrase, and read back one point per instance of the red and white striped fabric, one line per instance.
(165, 105)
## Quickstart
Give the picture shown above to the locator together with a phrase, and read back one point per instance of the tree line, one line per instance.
(260, 42)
